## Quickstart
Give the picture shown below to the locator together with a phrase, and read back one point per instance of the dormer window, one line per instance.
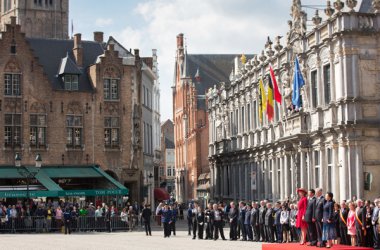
(71, 82)
(69, 72)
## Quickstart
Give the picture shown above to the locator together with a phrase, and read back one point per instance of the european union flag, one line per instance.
(298, 82)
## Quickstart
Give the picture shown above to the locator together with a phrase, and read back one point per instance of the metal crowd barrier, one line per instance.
(80, 224)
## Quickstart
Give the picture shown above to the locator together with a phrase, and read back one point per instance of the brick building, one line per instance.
(75, 102)
(193, 75)
(38, 18)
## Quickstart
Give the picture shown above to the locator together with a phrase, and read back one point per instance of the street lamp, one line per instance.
(24, 172)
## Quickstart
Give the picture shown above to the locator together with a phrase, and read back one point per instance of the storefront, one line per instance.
(58, 181)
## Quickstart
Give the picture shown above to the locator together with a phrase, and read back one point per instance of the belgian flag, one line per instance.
(262, 100)
(270, 107)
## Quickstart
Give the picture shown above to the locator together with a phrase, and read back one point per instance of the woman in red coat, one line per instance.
(300, 222)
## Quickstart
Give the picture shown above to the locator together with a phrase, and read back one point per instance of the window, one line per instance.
(13, 48)
(74, 131)
(161, 171)
(317, 168)
(236, 122)
(255, 112)
(37, 130)
(329, 169)
(71, 82)
(12, 130)
(12, 85)
(249, 116)
(169, 171)
(111, 89)
(314, 89)
(144, 101)
(111, 131)
(242, 120)
(7, 5)
(327, 83)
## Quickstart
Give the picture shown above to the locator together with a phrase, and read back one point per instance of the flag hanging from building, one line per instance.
(298, 82)
(270, 107)
(276, 91)
(263, 101)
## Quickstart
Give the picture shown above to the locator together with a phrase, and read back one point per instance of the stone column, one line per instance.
(282, 177)
(217, 180)
(212, 180)
(240, 167)
(343, 175)
(266, 179)
(287, 176)
(303, 171)
(359, 171)
(323, 168)
(274, 178)
(293, 174)
(335, 173)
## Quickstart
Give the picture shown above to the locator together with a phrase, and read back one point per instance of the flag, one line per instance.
(298, 82)
(277, 94)
(263, 102)
(270, 110)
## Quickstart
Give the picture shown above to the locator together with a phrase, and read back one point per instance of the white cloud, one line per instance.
(213, 26)
(103, 22)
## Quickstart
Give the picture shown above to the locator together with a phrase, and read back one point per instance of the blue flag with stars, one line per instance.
(298, 82)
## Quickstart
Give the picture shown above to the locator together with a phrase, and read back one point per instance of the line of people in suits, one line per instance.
(322, 222)
(316, 220)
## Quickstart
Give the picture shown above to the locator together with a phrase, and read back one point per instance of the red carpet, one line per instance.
(297, 246)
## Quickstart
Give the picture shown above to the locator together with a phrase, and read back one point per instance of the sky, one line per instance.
(209, 26)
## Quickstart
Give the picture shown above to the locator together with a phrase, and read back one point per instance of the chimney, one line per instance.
(98, 36)
(137, 53)
(180, 40)
(78, 50)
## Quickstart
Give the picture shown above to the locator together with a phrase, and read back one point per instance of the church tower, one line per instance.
(38, 18)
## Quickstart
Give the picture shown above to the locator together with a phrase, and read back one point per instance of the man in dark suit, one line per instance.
(269, 222)
(255, 221)
(318, 215)
(233, 217)
(360, 222)
(343, 213)
(241, 219)
(262, 212)
(309, 214)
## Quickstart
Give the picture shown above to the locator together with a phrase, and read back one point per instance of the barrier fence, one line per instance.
(78, 224)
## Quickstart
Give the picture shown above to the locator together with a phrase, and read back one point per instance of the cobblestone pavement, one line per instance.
(117, 240)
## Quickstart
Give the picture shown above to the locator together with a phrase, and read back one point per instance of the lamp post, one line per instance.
(24, 172)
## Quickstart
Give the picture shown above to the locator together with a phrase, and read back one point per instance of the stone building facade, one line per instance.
(73, 102)
(167, 167)
(38, 18)
(332, 141)
(193, 75)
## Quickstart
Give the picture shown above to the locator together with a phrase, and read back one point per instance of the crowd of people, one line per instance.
(66, 216)
(314, 220)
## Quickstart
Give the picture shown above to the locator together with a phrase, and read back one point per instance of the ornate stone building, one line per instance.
(38, 18)
(333, 141)
(193, 75)
(75, 102)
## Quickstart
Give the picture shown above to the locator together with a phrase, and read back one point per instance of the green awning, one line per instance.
(72, 172)
(46, 175)
(9, 173)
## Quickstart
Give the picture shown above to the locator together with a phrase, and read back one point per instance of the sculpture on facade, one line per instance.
(226, 124)
(219, 127)
(287, 93)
